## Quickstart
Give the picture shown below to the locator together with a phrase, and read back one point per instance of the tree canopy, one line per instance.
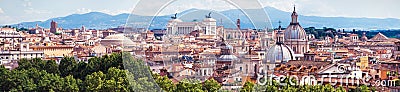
(106, 73)
(121, 72)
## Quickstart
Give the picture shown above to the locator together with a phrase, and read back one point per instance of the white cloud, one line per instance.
(1, 11)
(83, 10)
(27, 4)
(115, 12)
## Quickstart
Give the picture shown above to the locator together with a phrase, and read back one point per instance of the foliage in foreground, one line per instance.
(186, 85)
(108, 74)
(105, 73)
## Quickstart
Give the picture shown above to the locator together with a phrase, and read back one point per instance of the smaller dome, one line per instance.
(279, 53)
(116, 39)
(116, 36)
(209, 20)
(228, 58)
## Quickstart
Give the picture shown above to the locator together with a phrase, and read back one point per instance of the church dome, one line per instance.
(116, 36)
(116, 39)
(279, 53)
(295, 31)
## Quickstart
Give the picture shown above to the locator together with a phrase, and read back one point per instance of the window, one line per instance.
(294, 49)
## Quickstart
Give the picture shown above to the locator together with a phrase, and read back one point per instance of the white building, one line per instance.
(177, 27)
(24, 52)
(10, 36)
(8, 56)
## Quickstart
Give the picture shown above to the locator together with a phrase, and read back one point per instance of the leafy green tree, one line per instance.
(67, 66)
(50, 66)
(211, 85)
(21, 80)
(165, 83)
(116, 79)
(328, 88)
(70, 84)
(140, 76)
(340, 89)
(24, 64)
(247, 87)
(81, 70)
(99, 74)
(93, 65)
(3, 78)
(363, 88)
(50, 82)
(187, 85)
(305, 88)
(95, 81)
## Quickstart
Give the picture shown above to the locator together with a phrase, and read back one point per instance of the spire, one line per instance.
(279, 35)
(294, 16)
(280, 25)
(223, 37)
(294, 7)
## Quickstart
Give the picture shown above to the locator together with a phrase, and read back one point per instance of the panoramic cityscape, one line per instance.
(265, 48)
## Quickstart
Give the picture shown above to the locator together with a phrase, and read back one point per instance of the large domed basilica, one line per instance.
(295, 36)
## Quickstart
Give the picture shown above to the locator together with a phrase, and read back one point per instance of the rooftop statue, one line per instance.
(209, 15)
(174, 17)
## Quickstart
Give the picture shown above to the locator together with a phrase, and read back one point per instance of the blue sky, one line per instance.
(16, 11)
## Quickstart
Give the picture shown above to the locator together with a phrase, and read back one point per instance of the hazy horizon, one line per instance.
(17, 11)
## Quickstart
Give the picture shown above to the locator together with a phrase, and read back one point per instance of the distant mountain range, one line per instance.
(98, 20)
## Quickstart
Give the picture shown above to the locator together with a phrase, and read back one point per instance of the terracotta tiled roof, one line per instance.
(379, 37)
